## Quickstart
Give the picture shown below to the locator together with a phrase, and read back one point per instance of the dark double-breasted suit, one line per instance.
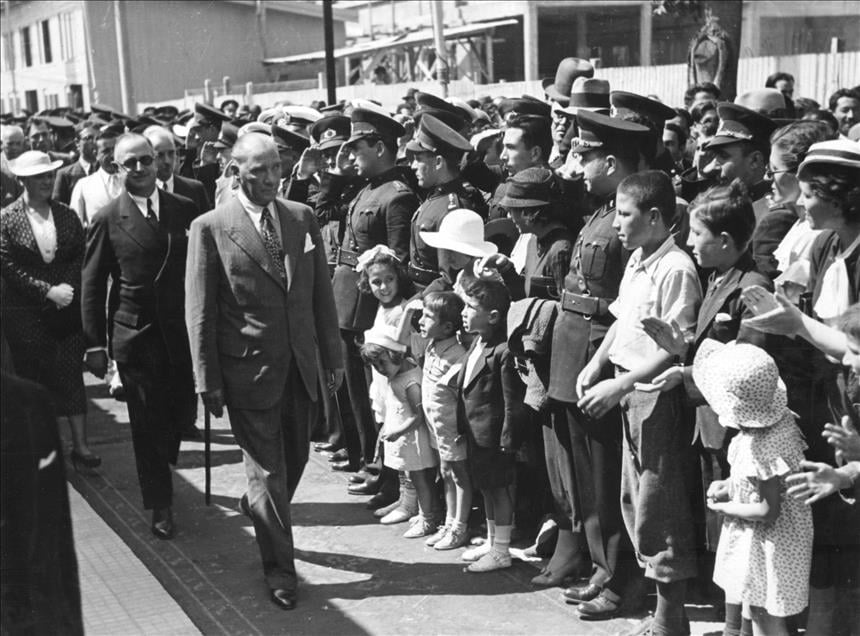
(149, 341)
(256, 337)
(194, 190)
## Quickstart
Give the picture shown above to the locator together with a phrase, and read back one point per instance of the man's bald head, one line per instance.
(165, 151)
(12, 140)
(259, 165)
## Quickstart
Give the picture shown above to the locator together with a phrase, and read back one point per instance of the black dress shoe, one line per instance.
(162, 523)
(284, 599)
(582, 594)
(382, 499)
(358, 478)
(601, 608)
(192, 434)
(338, 456)
(321, 447)
(369, 487)
(344, 467)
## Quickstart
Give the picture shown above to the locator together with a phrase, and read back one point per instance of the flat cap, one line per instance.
(371, 123)
(738, 123)
(568, 71)
(528, 188)
(656, 111)
(204, 115)
(435, 136)
(597, 131)
(331, 131)
(286, 138)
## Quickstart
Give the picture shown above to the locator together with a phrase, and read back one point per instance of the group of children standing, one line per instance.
(450, 401)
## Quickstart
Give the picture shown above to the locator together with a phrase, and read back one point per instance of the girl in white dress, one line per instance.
(765, 547)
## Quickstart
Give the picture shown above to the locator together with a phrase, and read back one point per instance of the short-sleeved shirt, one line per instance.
(442, 360)
(664, 285)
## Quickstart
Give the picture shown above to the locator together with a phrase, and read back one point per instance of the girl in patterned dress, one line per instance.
(765, 547)
(405, 434)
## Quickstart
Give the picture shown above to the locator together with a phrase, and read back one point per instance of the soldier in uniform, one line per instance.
(201, 157)
(436, 152)
(586, 453)
(651, 114)
(380, 214)
(741, 150)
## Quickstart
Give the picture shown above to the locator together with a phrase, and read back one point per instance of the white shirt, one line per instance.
(255, 212)
(45, 232)
(92, 193)
(472, 360)
(140, 202)
(167, 186)
(664, 285)
(85, 165)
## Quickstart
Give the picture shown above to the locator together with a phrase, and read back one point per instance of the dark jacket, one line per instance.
(194, 190)
(768, 234)
(65, 181)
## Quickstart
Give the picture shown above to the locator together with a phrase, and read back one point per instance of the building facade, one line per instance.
(58, 53)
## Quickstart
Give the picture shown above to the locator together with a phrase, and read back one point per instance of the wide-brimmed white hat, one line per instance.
(33, 162)
(384, 336)
(741, 383)
(460, 231)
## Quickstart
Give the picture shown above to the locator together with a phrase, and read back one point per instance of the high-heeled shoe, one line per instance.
(87, 461)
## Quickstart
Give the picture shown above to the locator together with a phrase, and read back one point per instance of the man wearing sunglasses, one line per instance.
(140, 240)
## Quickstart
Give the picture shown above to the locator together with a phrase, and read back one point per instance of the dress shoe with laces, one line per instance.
(368, 487)
(284, 599)
(581, 594)
(344, 467)
(603, 607)
(339, 455)
(321, 447)
(453, 540)
(162, 524)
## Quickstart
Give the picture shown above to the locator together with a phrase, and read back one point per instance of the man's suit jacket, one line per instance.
(245, 325)
(65, 181)
(490, 407)
(769, 231)
(149, 264)
(194, 190)
(10, 189)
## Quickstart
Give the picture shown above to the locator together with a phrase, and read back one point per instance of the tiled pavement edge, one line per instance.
(356, 576)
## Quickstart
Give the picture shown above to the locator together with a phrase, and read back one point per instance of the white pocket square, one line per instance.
(309, 243)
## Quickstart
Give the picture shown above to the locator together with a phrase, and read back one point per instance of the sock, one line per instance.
(503, 539)
(491, 531)
(746, 627)
(733, 620)
(669, 615)
(449, 521)
(459, 526)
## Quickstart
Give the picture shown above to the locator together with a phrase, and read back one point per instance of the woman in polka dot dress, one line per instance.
(765, 547)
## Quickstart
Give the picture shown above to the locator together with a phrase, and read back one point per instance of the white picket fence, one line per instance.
(817, 75)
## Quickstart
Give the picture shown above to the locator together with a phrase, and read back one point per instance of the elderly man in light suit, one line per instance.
(259, 309)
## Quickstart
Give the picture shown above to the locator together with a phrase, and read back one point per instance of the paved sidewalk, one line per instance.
(118, 593)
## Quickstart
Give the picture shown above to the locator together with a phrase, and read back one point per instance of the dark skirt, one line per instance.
(54, 362)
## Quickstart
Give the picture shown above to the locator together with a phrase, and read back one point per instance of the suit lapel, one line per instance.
(242, 232)
(480, 364)
(291, 235)
(712, 302)
(133, 223)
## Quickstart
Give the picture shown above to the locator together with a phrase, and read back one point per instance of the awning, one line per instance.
(416, 38)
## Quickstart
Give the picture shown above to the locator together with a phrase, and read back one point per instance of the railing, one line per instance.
(816, 75)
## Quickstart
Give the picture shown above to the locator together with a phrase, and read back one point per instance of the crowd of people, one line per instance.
(627, 334)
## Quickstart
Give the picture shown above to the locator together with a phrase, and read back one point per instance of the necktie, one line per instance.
(92, 169)
(165, 186)
(150, 214)
(273, 245)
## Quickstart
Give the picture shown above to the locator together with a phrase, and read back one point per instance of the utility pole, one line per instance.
(122, 60)
(441, 51)
(330, 74)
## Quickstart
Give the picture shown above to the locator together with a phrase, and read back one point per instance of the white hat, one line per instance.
(838, 152)
(741, 383)
(384, 336)
(33, 162)
(460, 231)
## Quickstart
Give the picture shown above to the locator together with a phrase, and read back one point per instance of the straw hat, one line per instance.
(33, 162)
(460, 231)
(741, 384)
(839, 152)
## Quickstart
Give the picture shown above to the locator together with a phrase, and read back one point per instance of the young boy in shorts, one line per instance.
(441, 319)
(660, 280)
(490, 414)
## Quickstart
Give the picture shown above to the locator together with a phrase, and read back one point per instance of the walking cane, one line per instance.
(207, 456)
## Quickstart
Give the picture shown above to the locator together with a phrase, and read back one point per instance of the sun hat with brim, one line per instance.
(741, 384)
(384, 336)
(33, 162)
(460, 231)
(838, 152)
(528, 188)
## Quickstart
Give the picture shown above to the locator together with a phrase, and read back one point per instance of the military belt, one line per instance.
(347, 257)
(421, 275)
(589, 306)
